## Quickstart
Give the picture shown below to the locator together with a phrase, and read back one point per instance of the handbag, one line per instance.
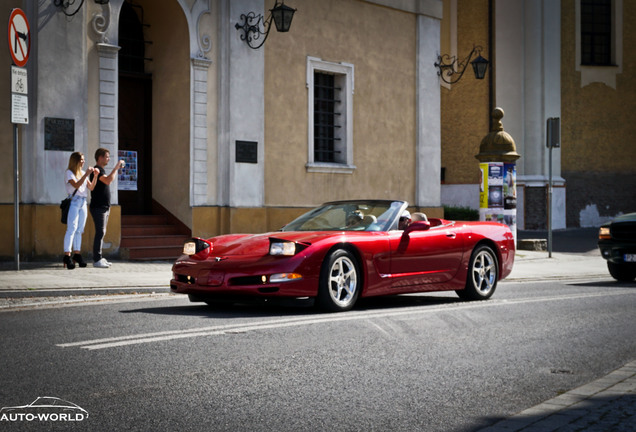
(65, 205)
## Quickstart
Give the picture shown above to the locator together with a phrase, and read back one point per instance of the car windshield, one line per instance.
(377, 215)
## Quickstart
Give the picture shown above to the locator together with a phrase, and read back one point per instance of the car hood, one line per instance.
(258, 244)
(630, 217)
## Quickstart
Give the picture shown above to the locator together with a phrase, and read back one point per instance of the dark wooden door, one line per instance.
(135, 134)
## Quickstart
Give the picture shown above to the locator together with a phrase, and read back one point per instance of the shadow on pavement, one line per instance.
(277, 309)
(605, 284)
(608, 413)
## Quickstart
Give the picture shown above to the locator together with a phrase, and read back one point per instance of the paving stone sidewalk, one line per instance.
(605, 405)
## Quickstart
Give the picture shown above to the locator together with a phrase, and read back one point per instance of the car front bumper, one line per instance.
(617, 252)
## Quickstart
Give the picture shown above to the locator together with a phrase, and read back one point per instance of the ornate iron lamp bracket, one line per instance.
(282, 16)
(251, 26)
(451, 69)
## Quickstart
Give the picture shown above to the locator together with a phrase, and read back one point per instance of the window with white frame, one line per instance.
(330, 116)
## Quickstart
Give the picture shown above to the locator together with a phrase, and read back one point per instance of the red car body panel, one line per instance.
(391, 262)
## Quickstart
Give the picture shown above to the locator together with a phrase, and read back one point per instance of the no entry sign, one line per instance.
(19, 37)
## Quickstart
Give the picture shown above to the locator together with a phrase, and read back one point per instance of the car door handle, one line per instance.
(451, 235)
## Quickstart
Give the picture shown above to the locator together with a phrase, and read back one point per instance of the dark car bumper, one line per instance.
(618, 252)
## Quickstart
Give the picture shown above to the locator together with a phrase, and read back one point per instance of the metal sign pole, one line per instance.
(550, 195)
(553, 139)
(19, 35)
(16, 198)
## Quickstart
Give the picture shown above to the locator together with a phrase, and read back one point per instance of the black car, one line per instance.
(617, 242)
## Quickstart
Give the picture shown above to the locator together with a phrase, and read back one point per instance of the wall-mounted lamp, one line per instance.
(67, 4)
(451, 70)
(280, 13)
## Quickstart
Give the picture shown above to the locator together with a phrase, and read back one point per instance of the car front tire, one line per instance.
(483, 273)
(340, 281)
(622, 272)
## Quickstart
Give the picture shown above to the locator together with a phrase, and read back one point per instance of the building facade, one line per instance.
(550, 59)
(225, 138)
(347, 104)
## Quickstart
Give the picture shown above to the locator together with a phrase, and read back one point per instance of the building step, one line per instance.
(151, 237)
(154, 240)
(127, 220)
(148, 230)
(167, 253)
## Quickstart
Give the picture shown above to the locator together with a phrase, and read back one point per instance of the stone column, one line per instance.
(108, 103)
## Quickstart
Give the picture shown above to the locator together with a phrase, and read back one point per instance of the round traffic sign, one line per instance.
(19, 37)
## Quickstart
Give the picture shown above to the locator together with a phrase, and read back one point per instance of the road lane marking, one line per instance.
(136, 339)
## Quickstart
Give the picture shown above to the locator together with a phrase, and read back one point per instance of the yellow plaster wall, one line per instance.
(42, 233)
(597, 121)
(170, 68)
(212, 221)
(465, 117)
(354, 32)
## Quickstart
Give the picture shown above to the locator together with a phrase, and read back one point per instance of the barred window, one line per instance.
(330, 116)
(326, 118)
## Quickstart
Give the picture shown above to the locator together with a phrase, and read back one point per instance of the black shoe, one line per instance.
(68, 263)
(78, 259)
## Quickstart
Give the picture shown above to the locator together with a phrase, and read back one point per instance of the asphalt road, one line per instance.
(407, 363)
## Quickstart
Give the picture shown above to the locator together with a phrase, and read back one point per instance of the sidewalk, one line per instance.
(605, 405)
(574, 255)
(125, 275)
(608, 404)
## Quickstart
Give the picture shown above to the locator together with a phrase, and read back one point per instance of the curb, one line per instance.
(597, 405)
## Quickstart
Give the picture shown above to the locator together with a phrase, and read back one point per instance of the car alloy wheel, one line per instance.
(482, 275)
(339, 282)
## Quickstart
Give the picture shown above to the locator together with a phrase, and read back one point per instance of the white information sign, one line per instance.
(19, 109)
(19, 80)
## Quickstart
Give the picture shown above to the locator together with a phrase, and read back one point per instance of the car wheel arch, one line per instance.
(492, 245)
(349, 247)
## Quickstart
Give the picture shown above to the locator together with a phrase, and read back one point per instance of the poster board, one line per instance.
(127, 177)
(498, 193)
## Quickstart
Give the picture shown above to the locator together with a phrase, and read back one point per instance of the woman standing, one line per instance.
(75, 179)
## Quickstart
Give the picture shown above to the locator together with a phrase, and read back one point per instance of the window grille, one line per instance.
(326, 118)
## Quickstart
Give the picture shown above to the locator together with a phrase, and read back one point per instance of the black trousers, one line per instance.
(100, 218)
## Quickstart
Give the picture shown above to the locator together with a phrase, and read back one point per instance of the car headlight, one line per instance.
(284, 277)
(282, 248)
(197, 248)
(604, 233)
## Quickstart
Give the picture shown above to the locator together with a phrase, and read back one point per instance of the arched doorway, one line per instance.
(135, 112)
(150, 121)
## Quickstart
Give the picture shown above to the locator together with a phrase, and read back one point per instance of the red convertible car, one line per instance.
(345, 250)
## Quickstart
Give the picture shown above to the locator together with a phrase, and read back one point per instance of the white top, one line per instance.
(82, 191)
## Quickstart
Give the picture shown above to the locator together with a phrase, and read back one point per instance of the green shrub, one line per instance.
(460, 213)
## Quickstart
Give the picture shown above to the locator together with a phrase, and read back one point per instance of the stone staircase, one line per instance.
(151, 237)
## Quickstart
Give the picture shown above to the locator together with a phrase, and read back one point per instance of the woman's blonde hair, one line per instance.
(75, 163)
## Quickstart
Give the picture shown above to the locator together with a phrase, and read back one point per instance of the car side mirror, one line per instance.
(417, 226)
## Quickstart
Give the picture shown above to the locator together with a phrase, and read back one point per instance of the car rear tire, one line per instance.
(483, 273)
(622, 272)
(340, 281)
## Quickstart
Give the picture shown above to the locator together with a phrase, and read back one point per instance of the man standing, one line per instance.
(100, 203)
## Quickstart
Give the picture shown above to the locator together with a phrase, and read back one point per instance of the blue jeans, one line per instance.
(100, 218)
(77, 213)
